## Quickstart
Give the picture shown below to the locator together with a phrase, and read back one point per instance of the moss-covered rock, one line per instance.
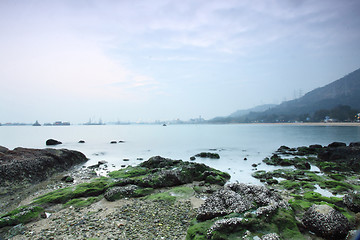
(20, 215)
(208, 155)
(246, 216)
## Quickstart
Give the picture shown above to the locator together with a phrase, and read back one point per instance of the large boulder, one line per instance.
(326, 222)
(25, 165)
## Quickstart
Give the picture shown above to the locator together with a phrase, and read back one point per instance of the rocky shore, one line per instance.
(172, 199)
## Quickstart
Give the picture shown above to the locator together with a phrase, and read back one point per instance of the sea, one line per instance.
(136, 143)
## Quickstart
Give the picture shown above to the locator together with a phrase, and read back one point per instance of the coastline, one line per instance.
(320, 124)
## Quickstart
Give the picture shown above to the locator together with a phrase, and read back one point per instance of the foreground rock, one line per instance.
(159, 172)
(24, 165)
(157, 179)
(326, 222)
(243, 211)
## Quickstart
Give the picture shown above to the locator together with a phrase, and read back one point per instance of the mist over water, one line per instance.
(232, 142)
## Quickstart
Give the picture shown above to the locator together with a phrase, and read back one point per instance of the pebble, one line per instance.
(139, 219)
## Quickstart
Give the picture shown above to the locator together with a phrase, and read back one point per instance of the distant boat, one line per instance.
(36, 123)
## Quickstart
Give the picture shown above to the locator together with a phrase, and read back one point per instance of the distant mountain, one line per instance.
(344, 91)
(234, 117)
(260, 108)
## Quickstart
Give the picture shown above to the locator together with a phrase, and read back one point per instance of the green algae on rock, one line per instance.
(132, 182)
(240, 210)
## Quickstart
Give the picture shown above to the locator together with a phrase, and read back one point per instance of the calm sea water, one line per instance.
(232, 142)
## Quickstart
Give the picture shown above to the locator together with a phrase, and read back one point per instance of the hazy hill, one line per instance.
(344, 91)
(239, 114)
(260, 108)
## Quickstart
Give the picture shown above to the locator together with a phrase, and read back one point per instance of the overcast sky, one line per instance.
(133, 60)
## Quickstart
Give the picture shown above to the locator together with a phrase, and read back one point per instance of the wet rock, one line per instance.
(352, 201)
(67, 179)
(208, 155)
(113, 142)
(81, 141)
(115, 193)
(315, 146)
(102, 162)
(23, 165)
(337, 144)
(302, 165)
(326, 222)
(192, 158)
(342, 158)
(52, 142)
(354, 144)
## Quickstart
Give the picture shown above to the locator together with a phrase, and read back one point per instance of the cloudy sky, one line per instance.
(134, 60)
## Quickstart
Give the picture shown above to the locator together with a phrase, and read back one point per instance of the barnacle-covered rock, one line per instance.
(326, 222)
(238, 198)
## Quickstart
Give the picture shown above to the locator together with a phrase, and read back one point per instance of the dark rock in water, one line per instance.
(326, 222)
(121, 141)
(67, 179)
(113, 142)
(94, 166)
(102, 162)
(52, 142)
(254, 165)
(81, 141)
(352, 201)
(315, 146)
(208, 155)
(23, 165)
(337, 144)
(192, 158)
(354, 144)
(343, 158)
(160, 172)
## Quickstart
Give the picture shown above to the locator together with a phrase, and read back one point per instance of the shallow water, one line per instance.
(232, 142)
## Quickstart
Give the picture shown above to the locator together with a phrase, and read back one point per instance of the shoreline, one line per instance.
(320, 124)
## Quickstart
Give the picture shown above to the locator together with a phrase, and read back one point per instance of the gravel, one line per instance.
(122, 219)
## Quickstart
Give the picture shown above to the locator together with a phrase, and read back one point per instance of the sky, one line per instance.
(137, 60)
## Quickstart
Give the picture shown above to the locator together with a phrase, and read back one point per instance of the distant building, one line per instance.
(60, 123)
